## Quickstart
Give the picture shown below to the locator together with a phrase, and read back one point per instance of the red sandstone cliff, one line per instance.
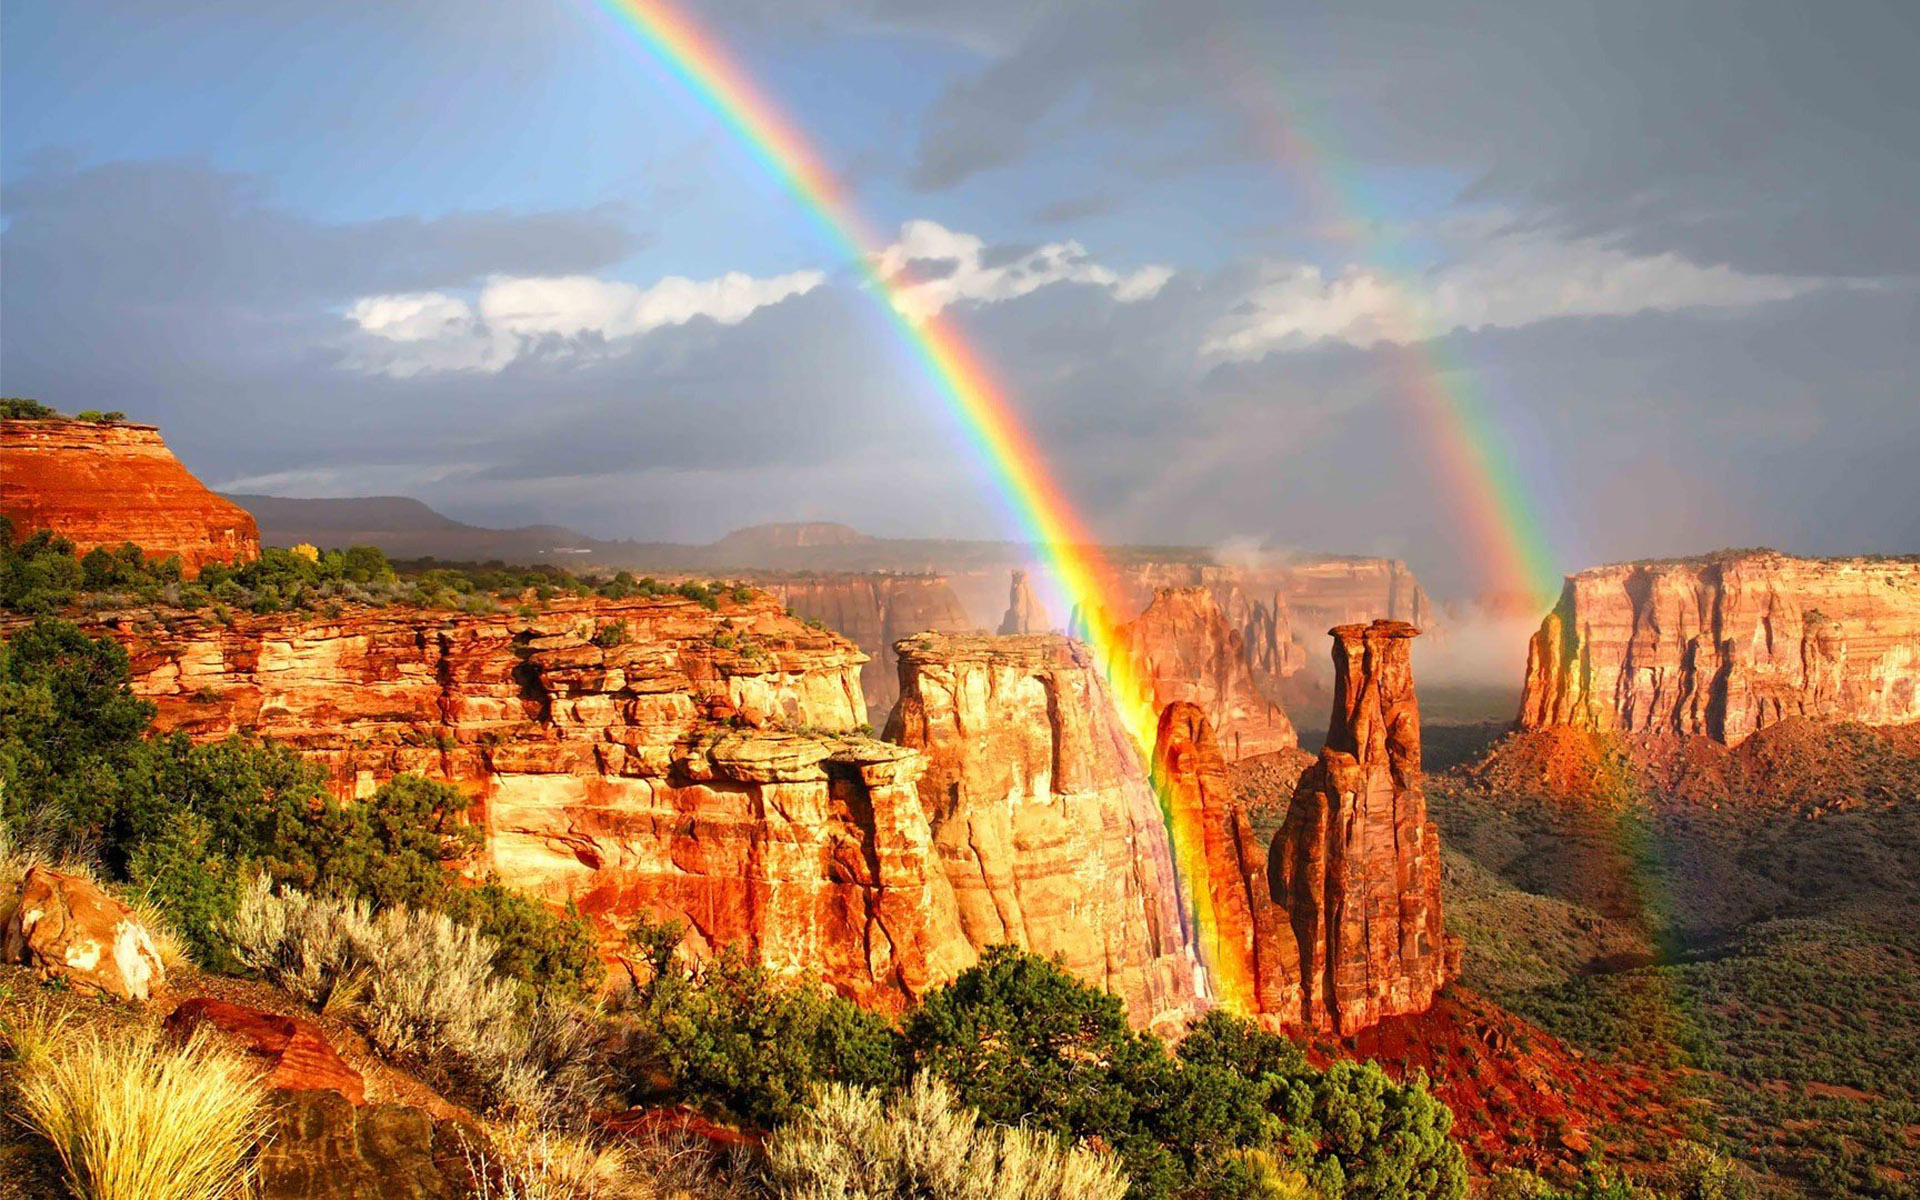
(1183, 649)
(1042, 815)
(875, 611)
(1357, 865)
(1725, 645)
(1242, 935)
(108, 484)
(657, 776)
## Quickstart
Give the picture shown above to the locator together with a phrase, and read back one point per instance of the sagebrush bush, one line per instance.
(134, 1118)
(921, 1144)
(425, 989)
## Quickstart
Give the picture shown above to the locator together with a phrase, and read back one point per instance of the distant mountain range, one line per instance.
(407, 528)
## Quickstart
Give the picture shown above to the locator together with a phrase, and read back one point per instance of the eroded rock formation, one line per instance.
(1043, 820)
(108, 484)
(1725, 645)
(1357, 864)
(875, 611)
(1241, 932)
(1184, 651)
(1023, 611)
(642, 757)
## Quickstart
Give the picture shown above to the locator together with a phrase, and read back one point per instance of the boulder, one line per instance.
(296, 1052)
(320, 1147)
(67, 927)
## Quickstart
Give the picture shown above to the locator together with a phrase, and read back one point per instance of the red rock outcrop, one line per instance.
(1042, 815)
(108, 484)
(875, 611)
(1728, 644)
(1357, 864)
(1023, 614)
(1241, 934)
(1183, 651)
(295, 1052)
(641, 757)
(69, 928)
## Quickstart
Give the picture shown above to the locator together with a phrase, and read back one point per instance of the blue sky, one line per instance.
(487, 254)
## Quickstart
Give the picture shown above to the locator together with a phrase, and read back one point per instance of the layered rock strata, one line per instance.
(1184, 651)
(1043, 821)
(108, 484)
(1357, 864)
(1241, 932)
(1726, 645)
(639, 758)
(875, 611)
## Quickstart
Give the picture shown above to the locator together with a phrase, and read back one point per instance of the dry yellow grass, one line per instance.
(531, 1163)
(32, 1033)
(133, 1118)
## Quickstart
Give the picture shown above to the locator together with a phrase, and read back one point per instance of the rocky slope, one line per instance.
(875, 611)
(107, 484)
(1042, 817)
(1183, 650)
(1725, 645)
(1357, 864)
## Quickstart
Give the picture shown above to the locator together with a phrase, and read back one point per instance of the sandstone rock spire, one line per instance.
(1184, 650)
(1357, 865)
(1023, 611)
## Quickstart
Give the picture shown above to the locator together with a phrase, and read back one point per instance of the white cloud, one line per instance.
(1497, 277)
(432, 331)
(936, 266)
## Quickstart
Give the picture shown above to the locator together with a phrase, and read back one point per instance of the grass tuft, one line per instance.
(133, 1118)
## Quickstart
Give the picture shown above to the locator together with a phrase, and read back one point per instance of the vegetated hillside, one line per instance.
(1747, 919)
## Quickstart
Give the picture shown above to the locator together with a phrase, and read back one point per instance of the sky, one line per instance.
(488, 254)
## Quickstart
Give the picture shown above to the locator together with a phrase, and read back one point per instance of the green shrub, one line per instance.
(729, 1032)
(20, 408)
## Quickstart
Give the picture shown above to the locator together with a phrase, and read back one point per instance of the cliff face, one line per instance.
(1357, 865)
(1268, 602)
(1724, 646)
(875, 611)
(1043, 819)
(1243, 938)
(105, 485)
(1184, 650)
(656, 776)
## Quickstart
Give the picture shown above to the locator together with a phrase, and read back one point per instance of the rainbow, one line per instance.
(674, 41)
(1500, 514)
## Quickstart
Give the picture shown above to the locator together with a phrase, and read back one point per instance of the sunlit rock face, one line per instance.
(1184, 651)
(643, 758)
(1243, 937)
(1725, 645)
(1357, 864)
(1044, 824)
(875, 611)
(109, 484)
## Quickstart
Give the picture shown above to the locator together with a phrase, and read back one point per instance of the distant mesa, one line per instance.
(1727, 644)
(105, 483)
(791, 535)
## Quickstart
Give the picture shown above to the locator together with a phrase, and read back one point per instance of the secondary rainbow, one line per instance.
(1501, 515)
(699, 62)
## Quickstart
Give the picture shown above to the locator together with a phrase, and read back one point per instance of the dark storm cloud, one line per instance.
(1769, 134)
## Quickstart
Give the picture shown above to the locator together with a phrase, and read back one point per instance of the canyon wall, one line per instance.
(1043, 817)
(1357, 864)
(1184, 651)
(640, 758)
(876, 611)
(1725, 645)
(101, 484)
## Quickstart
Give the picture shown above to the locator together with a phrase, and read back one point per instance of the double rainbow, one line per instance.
(997, 436)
